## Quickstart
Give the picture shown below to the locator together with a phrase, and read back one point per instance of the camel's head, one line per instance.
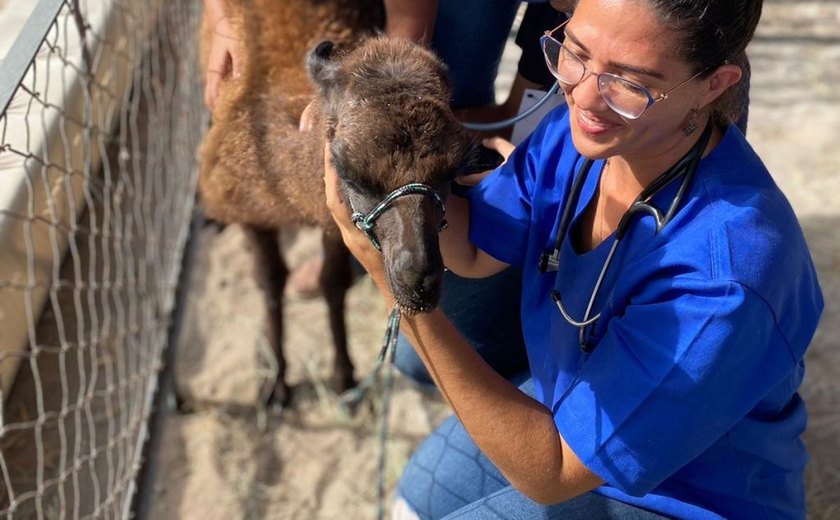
(389, 125)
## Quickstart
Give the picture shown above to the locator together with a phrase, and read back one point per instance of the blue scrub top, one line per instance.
(688, 405)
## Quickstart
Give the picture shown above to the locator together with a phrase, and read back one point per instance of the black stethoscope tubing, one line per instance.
(550, 260)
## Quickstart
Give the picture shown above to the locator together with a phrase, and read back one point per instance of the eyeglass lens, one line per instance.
(624, 97)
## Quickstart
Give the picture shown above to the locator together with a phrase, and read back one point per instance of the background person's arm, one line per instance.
(406, 19)
(566, 6)
(411, 19)
(223, 56)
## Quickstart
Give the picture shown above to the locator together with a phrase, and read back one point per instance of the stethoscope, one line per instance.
(549, 261)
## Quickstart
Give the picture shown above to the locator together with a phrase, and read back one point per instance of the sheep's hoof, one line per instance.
(280, 396)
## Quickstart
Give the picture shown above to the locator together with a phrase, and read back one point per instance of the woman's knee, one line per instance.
(447, 472)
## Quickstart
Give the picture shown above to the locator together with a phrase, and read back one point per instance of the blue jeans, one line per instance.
(448, 477)
(487, 313)
(469, 37)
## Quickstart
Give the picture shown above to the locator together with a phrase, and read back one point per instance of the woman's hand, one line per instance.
(223, 58)
(356, 241)
(504, 147)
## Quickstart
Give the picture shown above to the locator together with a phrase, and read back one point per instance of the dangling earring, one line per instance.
(691, 122)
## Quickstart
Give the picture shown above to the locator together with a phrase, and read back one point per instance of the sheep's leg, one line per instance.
(271, 273)
(336, 278)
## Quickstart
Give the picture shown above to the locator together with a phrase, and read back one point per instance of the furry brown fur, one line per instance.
(384, 108)
(257, 169)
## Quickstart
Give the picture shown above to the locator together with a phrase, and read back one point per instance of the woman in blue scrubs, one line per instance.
(664, 365)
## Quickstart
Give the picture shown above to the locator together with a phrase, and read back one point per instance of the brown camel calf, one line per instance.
(383, 106)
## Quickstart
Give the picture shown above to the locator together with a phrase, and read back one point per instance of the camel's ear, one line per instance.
(323, 70)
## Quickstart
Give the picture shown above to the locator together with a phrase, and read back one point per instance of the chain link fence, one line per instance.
(101, 116)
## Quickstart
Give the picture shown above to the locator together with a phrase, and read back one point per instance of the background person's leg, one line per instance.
(469, 37)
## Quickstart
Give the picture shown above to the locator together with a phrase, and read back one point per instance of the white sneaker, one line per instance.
(402, 511)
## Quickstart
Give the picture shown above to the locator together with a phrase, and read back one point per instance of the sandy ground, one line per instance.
(234, 459)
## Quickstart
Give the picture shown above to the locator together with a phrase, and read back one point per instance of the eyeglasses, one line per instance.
(624, 97)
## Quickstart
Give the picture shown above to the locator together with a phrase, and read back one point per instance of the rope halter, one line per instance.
(366, 222)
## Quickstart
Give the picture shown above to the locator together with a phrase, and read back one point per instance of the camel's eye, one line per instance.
(361, 185)
(339, 168)
(339, 163)
(355, 183)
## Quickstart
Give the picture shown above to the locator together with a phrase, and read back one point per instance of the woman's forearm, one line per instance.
(513, 430)
(459, 254)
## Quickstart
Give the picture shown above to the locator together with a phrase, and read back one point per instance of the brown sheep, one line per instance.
(384, 108)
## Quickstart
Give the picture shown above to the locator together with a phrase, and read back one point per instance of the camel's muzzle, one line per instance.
(412, 255)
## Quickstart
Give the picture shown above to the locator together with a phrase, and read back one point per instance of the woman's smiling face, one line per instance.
(629, 39)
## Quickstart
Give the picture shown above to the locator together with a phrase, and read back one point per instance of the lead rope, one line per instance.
(366, 223)
(353, 396)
